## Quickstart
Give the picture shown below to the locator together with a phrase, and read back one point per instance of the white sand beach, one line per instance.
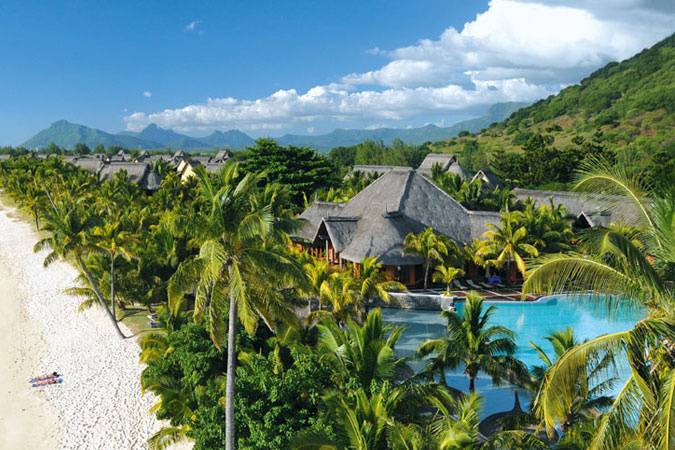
(99, 404)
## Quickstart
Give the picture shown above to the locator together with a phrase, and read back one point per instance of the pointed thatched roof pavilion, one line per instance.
(447, 161)
(376, 221)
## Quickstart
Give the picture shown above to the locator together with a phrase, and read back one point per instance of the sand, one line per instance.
(99, 405)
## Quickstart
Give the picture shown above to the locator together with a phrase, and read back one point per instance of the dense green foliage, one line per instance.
(301, 170)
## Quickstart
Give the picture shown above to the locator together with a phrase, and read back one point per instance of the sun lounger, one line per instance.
(486, 285)
(473, 285)
(154, 324)
(459, 285)
(152, 317)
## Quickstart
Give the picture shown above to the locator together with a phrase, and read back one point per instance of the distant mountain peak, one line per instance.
(66, 134)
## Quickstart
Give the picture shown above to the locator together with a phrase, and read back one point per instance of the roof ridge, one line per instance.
(404, 191)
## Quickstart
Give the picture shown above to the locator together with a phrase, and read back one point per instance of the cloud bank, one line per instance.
(516, 50)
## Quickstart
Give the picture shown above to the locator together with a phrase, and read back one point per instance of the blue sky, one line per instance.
(270, 67)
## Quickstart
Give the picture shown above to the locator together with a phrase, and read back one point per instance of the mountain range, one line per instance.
(66, 134)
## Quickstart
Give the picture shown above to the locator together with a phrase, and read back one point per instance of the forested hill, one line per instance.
(626, 107)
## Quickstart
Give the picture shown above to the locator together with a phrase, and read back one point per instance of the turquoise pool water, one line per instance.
(531, 321)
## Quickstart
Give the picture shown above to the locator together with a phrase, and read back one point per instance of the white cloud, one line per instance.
(514, 51)
(192, 26)
(147, 94)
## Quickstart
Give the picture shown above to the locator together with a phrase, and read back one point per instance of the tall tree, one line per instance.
(68, 227)
(242, 265)
(506, 244)
(111, 239)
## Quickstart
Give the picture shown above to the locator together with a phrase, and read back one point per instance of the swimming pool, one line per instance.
(530, 321)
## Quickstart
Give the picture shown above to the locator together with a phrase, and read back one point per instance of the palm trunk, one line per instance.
(426, 274)
(112, 286)
(443, 381)
(97, 291)
(472, 383)
(231, 362)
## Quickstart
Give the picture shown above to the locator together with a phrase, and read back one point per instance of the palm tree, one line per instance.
(507, 243)
(112, 240)
(429, 246)
(446, 274)
(475, 344)
(371, 284)
(590, 398)
(242, 265)
(69, 226)
(318, 272)
(364, 352)
(643, 413)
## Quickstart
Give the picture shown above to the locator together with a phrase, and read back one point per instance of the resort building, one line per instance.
(488, 178)
(141, 174)
(376, 221)
(368, 169)
(187, 164)
(585, 210)
(446, 161)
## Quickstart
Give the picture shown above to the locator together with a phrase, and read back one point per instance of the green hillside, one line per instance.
(625, 108)
(66, 134)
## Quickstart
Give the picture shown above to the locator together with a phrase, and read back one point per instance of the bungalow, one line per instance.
(376, 221)
(212, 164)
(447, 162)
(585, 210)
(488, 178)
(141, 174)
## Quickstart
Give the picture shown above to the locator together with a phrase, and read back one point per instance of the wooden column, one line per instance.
(411, 275)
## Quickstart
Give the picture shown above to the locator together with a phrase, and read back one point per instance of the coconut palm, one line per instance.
(242, 266)
(591, 390)
(111, 239)
(363, 352)
(68, 226)
(446, 274)
(506, 243)
(475, 344)
(371, 284)
(643, 413)
(318, 272)
(429, 246)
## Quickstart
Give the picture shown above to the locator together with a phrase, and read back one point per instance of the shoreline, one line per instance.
(99, 404)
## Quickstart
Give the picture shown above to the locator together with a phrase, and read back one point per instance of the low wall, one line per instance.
(408, 300)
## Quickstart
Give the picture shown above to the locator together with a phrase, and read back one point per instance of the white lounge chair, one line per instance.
(473, 285)
(459, 285)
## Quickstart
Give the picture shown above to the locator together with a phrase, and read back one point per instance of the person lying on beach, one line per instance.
(45, 377)
(48, 382)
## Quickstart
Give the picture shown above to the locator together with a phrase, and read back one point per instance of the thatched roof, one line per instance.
(447, 161)
(141, 174)
(598, 210)
(93, 165)
(312, 218)
(376, 221)
(221, 156)
(370, 169)
(488, 177)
